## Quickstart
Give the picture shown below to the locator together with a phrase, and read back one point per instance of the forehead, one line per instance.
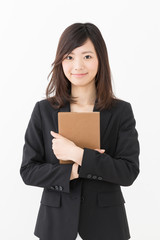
(87, 47)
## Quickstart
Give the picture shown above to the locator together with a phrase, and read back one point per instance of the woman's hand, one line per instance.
(74, 172)
(100, 150)
(62, 147)
(65, 149)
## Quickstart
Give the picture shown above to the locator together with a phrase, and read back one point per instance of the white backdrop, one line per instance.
(30, 31)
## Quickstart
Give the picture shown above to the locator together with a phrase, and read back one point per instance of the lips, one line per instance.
(79, 75)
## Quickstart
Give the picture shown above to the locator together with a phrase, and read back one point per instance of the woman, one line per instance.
(84, 197)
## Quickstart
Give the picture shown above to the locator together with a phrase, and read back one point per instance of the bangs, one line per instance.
(73, 40)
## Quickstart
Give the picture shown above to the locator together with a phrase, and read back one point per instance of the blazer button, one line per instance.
(57, 188)
(94, 177)
(60, 188)
(89, 176)
(99, 178)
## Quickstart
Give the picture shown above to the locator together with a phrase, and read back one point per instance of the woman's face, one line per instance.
(81, 65)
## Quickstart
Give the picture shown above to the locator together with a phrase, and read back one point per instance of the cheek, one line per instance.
(94, 67)
(65, 68)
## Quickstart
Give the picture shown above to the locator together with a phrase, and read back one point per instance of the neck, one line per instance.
(85, 95)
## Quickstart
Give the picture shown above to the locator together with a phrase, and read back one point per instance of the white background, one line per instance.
(30, 31)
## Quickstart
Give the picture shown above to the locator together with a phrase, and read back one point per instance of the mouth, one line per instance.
(79, 75)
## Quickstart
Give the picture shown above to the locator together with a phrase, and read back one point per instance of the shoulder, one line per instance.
(45, 105)
(44, 102)
(122, 110)
(43, 108)
(120, 105)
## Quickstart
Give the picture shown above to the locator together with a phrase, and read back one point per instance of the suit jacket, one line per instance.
(93, 204)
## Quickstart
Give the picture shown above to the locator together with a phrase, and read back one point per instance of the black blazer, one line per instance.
(93, 204)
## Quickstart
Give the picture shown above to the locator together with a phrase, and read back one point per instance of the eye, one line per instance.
(88, 57)
(68, 58)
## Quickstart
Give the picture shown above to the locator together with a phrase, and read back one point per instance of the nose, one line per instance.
(78, 64)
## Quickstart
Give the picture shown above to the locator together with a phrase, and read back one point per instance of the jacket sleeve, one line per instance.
(34, 169)
(123, 167)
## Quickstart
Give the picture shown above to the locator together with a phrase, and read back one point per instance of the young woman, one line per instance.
(84, 197)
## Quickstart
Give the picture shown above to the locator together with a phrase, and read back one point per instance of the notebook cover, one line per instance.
(83, 128)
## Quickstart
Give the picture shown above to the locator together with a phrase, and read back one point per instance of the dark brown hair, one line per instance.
(75, 36)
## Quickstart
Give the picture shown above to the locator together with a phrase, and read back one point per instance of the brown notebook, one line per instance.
(83, 128)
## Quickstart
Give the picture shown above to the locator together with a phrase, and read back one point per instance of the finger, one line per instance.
(55, 135)
(100, 150)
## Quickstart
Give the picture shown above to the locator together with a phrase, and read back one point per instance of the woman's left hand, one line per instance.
(62, 147)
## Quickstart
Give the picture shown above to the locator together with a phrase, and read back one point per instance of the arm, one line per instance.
(123, 167)
(77, 156)
(34, 169)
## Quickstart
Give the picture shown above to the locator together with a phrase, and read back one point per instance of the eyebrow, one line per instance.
(84, 52)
